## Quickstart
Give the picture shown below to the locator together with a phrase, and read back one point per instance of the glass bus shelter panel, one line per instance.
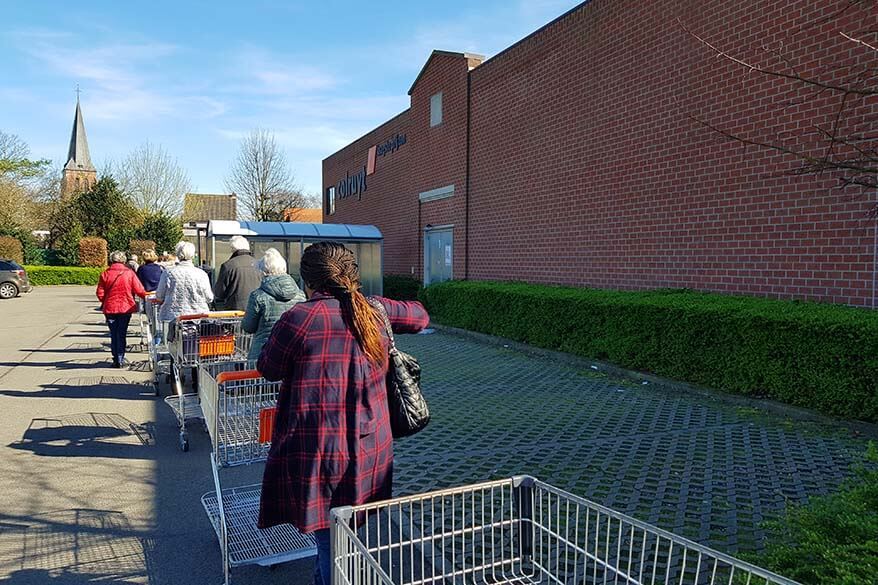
(369, 260)
(220, 244)
(294, 260)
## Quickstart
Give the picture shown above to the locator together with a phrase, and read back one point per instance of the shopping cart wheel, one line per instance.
(184, 442)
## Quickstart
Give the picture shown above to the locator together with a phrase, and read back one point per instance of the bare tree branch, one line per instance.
(155, 182)
(793, 77)
(840, 142)
(263, 180)
(864, 43)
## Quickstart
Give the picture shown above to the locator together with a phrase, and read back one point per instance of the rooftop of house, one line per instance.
(202, 207)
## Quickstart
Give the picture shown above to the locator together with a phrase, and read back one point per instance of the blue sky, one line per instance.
(196, 75)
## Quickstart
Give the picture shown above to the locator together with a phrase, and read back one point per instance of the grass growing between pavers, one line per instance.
(699, 467)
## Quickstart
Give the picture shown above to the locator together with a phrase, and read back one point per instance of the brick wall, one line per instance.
(587, 167)
(430, 158)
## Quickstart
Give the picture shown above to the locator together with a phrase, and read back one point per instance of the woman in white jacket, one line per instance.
(183, 289)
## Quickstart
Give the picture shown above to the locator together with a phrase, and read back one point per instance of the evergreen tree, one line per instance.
(105, 212)
(162, 229)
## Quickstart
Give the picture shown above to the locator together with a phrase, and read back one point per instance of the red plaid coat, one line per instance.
(332, 444)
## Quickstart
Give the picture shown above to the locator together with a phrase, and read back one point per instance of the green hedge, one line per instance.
(822, 357)
(830, 539)
(401, 288)
(48, 275)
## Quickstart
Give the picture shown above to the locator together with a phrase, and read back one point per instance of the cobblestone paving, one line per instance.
(698, 467)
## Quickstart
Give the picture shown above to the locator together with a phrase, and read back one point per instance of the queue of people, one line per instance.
(332, 443)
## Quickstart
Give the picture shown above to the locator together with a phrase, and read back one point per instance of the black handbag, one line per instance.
(408, 409)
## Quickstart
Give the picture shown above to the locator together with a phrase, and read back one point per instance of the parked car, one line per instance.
(13, 279)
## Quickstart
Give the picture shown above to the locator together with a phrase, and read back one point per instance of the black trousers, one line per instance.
(118, 324)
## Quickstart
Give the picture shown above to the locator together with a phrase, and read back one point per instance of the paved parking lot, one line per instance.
(94, 489)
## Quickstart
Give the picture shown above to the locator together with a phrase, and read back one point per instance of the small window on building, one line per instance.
(329, 202)
(436, 109)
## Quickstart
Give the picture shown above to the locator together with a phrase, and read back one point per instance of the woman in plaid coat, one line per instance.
(332, 444)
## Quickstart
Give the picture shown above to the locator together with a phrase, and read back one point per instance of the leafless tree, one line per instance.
(263, 180)
(844, 145)
(12, 147)
(153, 180)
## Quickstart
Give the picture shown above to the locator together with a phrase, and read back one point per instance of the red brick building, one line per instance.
(576, 156)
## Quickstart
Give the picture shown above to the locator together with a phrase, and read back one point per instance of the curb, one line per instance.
(860, 428)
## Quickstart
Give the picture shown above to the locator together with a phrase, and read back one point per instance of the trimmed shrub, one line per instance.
(49, 275)
(10, 249)
(29, 248)
(138, 246)
(818, 356)
(831, 539)
(401, 288)
(43, 257)
(93, 252)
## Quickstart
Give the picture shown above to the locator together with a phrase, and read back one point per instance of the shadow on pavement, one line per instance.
(77, 364)
(88, 387)
(102, 348)
(40, 576)
(90, 434)
(73, 547)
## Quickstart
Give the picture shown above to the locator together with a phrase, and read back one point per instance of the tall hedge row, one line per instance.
(401, 288)
(93, 252)
(50, 275)
(823, 357)
(10, 249)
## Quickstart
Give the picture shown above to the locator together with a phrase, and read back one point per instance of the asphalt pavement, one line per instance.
(93, 486)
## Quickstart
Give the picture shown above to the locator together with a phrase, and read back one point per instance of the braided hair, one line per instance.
(329, 267)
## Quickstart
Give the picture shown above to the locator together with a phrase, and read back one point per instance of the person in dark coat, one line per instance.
(238, 277)
(117, 287)
(277, 293)
(332, 444)
(149, 272)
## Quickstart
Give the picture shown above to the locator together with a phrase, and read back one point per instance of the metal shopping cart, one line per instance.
(204, 338)
(521, 531)
(239, 411)
(156, 343)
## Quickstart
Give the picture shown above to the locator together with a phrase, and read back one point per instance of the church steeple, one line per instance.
(79, 173)
(78, 157)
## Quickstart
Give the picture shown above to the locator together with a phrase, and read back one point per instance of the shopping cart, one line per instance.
(143, 320)
(238, 411)
(522, 531)
(157, 349)
(204, 338)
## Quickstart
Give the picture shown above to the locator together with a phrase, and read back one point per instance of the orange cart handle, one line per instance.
(235, 376)
(211, 315)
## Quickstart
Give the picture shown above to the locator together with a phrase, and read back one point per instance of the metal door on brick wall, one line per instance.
(438, 255)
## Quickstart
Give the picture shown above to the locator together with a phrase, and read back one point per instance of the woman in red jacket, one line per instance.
(116, 289)
(332, 444)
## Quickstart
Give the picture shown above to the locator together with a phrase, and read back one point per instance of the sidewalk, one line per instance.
(92, 484)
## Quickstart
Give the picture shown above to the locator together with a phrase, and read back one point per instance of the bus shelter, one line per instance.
(291, 239)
